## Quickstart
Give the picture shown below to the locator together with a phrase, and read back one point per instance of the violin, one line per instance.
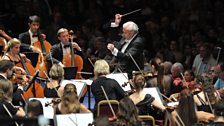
(54, 101)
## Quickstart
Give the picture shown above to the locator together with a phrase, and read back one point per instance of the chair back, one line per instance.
(147, 120)
(103, 108)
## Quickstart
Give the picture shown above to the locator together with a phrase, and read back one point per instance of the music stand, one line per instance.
(75, 119)
(33, 57)
(70, 72)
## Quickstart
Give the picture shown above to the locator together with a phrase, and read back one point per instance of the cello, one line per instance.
(45, 47)
(73, 60)
(33, 91)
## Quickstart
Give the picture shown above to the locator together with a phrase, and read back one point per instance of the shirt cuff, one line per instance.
(113, 24)
(115, 51)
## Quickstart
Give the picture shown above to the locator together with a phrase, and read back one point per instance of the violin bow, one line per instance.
(184, 80)
(9, 114)
(91, 62)
(108, 101)
(181, 121)
(209, 103)
(135, 63)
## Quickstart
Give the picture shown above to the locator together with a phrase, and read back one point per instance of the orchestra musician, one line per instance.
(56, 74)
(13, 52)
(70, 102)
(111, 86)
(141, 99)
(59, 50)
(186, 114)
(7, 69)
(127, 113)
(130, 44)
(7, 109)
(29, 37)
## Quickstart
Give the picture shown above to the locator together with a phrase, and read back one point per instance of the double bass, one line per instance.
(44, 46)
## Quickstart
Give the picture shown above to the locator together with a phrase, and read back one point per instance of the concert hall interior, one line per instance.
(112, 62)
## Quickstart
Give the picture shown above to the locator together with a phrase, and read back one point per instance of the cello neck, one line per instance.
(41, 39)
(24, 64)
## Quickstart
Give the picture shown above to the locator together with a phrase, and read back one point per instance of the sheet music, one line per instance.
(79, 85)
(154, 91)
(47, 111)
(120, 78)
(77, 119)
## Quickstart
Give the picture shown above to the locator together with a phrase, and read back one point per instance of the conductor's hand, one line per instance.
(110, 47)
(118, 19)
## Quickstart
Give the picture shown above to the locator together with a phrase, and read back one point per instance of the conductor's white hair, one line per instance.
(130, 26)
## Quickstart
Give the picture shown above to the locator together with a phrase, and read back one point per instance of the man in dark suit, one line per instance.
(32, 35)
(6, 73)
(58, 51)
(130, 46)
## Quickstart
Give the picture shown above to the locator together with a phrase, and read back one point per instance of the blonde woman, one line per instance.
(111, 86)
(13, 52)
(56, 74)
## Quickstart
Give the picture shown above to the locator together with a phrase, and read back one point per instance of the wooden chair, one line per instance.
(103, 108)
(147, 120)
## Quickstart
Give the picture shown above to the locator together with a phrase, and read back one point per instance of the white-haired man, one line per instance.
(131, 44)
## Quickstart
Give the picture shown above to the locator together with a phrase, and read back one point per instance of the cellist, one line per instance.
(29, 37)
(61, 50)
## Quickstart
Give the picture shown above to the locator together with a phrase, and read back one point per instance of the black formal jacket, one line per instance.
(26, 41)
(135, 49)
(57, 54)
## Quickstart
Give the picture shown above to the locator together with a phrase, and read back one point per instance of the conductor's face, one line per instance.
(64, 37)
(127, 34)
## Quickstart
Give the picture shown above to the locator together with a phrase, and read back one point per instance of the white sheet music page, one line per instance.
(79, 85)
(121, 78)
(154, 91)
(77, 119)
(47, 110)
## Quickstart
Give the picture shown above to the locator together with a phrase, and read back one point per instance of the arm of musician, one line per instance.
(35, 49)
(158, 105)
(76, 46)
(116, 21)
(204, 116)
(6, 36)
(23, 56)
(84, 109)
(196, 100)
(20, 112)
(16, 68)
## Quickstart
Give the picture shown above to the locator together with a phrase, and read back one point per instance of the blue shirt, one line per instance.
(219, 84)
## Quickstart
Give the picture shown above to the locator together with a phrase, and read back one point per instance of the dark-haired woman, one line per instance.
(141, 99)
